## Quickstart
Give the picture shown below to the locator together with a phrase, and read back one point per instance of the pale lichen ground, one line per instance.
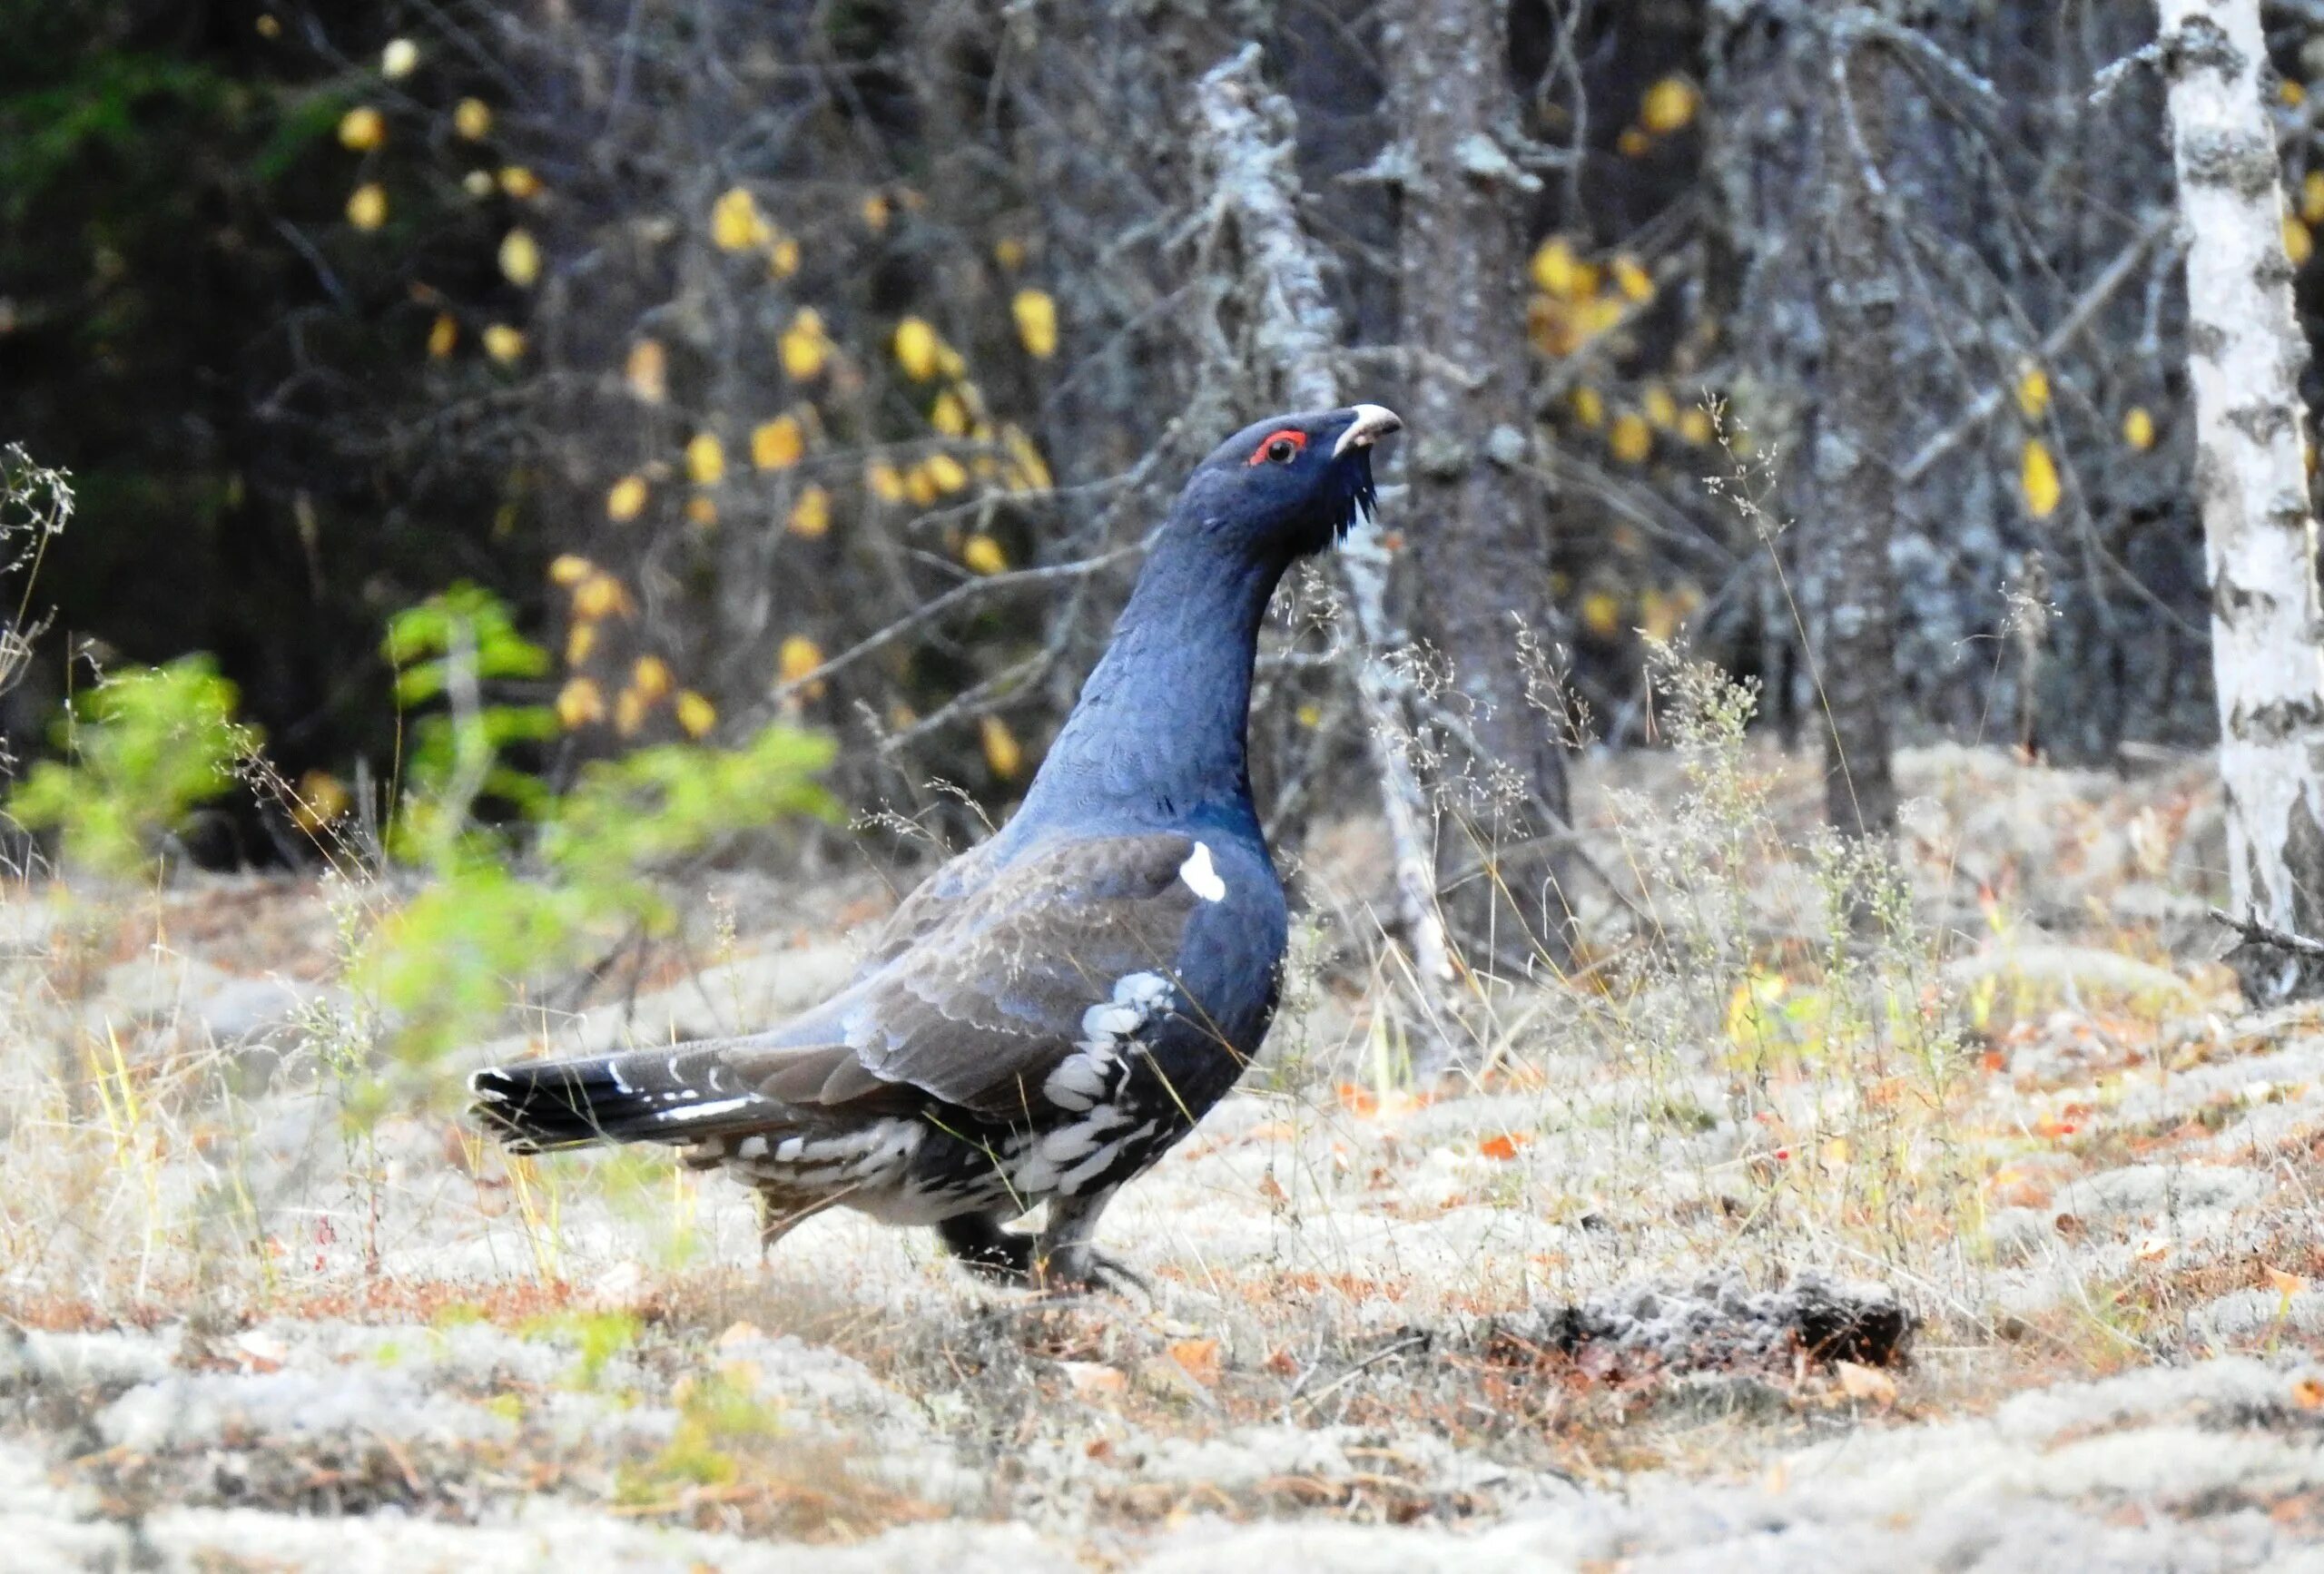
(245, 1333)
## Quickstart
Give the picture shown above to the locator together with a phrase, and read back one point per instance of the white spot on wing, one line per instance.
(1200, 876)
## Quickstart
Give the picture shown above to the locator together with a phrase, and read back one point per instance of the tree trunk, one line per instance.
(1855, 452)
(1479, 526)
(2245, 357)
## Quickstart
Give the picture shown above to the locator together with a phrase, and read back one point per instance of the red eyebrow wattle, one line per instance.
(1293, 434)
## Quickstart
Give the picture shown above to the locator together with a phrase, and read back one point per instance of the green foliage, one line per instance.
(444, 650)
(454, 956)
(147, 746)
(717, 1412)
(601, 1336)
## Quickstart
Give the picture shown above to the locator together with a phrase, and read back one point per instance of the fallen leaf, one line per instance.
(1505, 1146)
(1199, 1357)
(1866, 1383)
(1091, 1378)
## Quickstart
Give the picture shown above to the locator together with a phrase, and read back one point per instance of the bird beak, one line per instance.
(1371, 423)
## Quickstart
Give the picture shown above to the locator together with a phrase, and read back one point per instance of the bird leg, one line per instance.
(1065, 1260)
(987, 1249)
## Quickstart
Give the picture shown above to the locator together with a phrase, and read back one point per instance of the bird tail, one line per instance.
(677, 1096)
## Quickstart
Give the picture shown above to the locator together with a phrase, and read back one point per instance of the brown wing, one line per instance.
(991, 990)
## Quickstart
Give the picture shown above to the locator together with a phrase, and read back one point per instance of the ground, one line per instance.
(1798, 1253)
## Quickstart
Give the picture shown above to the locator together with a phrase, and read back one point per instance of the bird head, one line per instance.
(1289, 486)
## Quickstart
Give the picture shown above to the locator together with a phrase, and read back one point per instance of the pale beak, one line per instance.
(1371, 423)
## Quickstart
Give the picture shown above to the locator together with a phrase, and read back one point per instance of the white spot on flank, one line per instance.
(1200, 876)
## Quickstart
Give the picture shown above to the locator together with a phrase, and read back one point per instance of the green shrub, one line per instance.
(454, 956)
(146, 747)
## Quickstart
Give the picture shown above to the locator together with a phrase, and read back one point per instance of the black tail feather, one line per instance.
(678, 1095)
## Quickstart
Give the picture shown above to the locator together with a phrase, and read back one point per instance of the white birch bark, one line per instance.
(1247, 142)
(2245, 354)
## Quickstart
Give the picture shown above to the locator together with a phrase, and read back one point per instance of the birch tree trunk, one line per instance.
(1480, 530)
(2245, 356)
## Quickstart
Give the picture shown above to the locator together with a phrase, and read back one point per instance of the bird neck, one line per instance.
(1158, 737)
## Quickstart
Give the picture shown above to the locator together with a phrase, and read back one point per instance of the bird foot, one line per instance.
(1083, 1271)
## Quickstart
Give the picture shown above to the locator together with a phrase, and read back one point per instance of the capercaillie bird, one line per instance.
(1051, 1010)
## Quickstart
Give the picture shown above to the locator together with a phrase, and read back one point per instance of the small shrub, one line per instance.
(147, 747)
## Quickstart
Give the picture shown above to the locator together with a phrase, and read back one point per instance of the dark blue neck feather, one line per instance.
(1158, 737)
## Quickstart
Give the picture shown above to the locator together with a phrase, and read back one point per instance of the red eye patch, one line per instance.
(1282, 446)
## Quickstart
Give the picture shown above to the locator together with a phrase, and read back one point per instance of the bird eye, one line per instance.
(1280, 448)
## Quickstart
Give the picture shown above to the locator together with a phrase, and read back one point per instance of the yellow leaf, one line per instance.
(782, 258)
(1589, 406)
(1602, 613)
(2300, 245)
(917, 349)
(798, 656)
(625, 500)
(650, 677)
(520, 258)
(811, 516)
(579, 641)
(2311, 197)
(920, 486)
(2033, 391)
(472, 119)
(884, 481)
(1555, 269)
(579, 703)
(2138, 427)
(778, 444)
(520, 182)
(400, 59)
(1695, 426)
(1633, 143)
(803, 346)
(2037, 476)
(367, 206)
(1029, 472)
(696, 714)
(568, 569)
(1310, 714)
(1001, 750)
(983, 554)
(1630, 440)
(948, 415)
(648, 371)
(945, 473)
(443, 336)
(362, 129)
(1661, 409)
(875, 212)
(736, 222)
(1036, 322)
(1669, 105)
(320, 798)
(629, 711)
(1632, 279)
(701, 511)
(600, 595)
(2291, 95)
(706, 459)
(503, 343)
(1009, 252)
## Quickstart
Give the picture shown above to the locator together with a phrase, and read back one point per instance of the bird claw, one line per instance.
(1084, 1270)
